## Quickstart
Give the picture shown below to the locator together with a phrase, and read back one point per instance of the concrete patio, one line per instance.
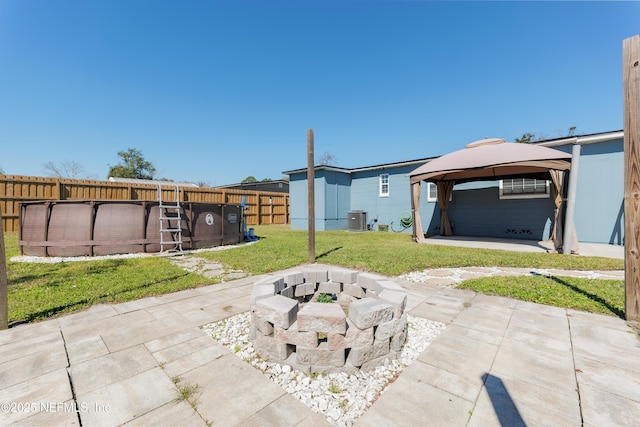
(499, 362)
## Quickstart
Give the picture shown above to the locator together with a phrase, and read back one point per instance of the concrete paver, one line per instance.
(127, 399)
(233, 390)
(498, 362)
(52, 387)
(113, 367)
(600, 408)
(412, 402)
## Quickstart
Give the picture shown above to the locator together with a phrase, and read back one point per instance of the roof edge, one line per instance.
(583, 139)
(580, 140)
(362, 169)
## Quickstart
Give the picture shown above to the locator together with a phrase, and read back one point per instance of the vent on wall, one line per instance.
(357, 221)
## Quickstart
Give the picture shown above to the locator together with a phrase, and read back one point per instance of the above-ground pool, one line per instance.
(87, 228)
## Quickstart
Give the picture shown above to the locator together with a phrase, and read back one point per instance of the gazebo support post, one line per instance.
(569, 226)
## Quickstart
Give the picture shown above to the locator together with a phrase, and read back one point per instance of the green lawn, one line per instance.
(386, 253)
(594, 296)
(38, 291)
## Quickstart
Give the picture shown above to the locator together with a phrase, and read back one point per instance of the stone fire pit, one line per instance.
(364, 327)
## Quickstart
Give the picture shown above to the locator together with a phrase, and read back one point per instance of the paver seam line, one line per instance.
(484, 380)
(575, 369)
(68, 369)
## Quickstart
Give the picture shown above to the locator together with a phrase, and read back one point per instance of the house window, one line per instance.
(384, 185)
(524, 188)
(432, 192)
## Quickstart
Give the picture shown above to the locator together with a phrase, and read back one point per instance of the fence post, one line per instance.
(4, 300)
(259, 210)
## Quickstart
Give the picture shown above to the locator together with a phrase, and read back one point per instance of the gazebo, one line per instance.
(491, 159)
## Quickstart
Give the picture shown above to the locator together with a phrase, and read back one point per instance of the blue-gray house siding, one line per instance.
(387, 210)
(599, 210)
(476, 208)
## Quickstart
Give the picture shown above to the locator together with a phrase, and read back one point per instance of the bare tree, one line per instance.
(327, 159)
(64, 169)
(529, 137)
(526, 138)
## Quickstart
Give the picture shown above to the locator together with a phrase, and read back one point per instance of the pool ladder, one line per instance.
(170, 211)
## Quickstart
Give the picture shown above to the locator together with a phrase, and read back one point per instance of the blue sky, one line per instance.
(214, 91)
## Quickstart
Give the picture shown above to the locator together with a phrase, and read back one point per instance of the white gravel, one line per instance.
(456, 276)
(53, 260)
(57, 259)
(340, 397)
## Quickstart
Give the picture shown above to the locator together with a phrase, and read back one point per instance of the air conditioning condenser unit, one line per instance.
(357, 221)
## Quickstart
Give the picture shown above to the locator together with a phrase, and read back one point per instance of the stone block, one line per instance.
(270, 348)
(336, 341)
(262, 291)
(370, 293)
(293, 278)
(294, 336)
(262, 326)
(343, 276)
(370, 281)
(398, 341)
(353, 290)
(322, 275)
(292, 361)
(276, 281)
(378, 361)
(344, 299)
(397, 299)
(320, 356)
(369, 312)
(288, 292)
(305, 289)
(356, 337)
(384, 330)
(360, 355)
(279, 310)
(388, 284)
(316, 276)
(330, 287)
(321, 317)
(401, 324)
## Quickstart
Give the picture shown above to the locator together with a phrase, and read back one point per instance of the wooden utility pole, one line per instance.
(4, 300)
(631, 101)
(311, 177)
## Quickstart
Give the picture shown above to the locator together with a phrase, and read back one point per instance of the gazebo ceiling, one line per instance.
(492, 158)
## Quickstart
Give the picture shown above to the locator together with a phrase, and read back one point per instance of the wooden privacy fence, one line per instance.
(264, 207)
